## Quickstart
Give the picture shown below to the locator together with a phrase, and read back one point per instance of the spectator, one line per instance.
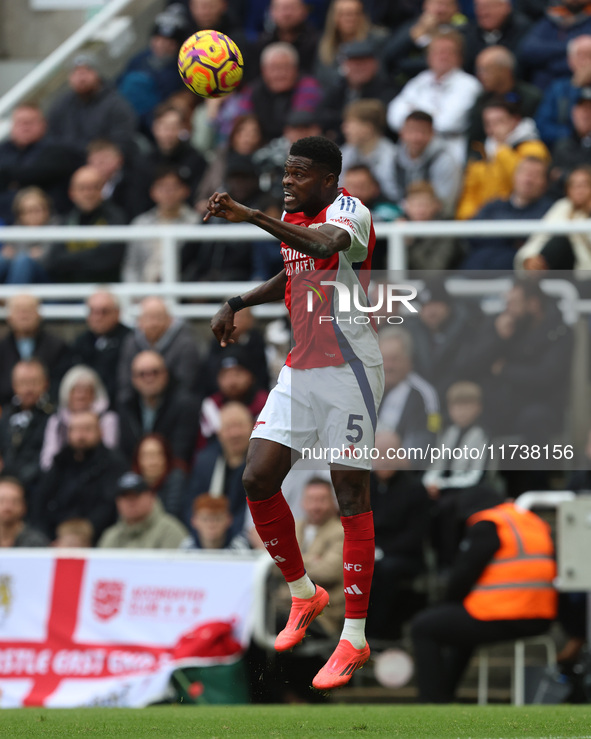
(152, 75)
(574, 150)
(123, 182)
(27, 338)
(497, 23)
(440, 332)
(14, 532)
(489, 173)
(541, 251)
(410, 406)
(279, 90)
(543, 51)
(529, 199)
(23, 422)
(495, 69)
(485, 602)
(172, 338)
(81, 481)
(361, 78)
(172, 150)
(155, 462)
(427, 252)
(81, 390)
(365, 143)
(401, 515)
(252, 342)
(90, 109)
(245, 139)
(288, 23)
(360, 182)
(143, 523)
(75, 533)
(88, 261)
(219, 466)
(443, 90)
(144, 259)
(533, 9)
(236, 382)
(157, 405)
(99, 347)
(346, 22)
(521, 359)
(405, 51)
(421, 156)
(23, 263)
(29, 157)
(210, 526)
(554, 115)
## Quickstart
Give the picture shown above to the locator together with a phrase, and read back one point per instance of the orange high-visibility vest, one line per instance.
(518, 582)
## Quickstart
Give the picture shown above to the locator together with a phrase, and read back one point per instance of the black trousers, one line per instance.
(444, 638)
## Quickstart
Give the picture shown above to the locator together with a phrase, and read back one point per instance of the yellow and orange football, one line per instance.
(210, 64)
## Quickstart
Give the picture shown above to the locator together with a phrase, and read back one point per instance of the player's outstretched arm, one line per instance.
(222, 324)
(320, 242)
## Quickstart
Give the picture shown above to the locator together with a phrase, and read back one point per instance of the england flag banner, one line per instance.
(91, 628)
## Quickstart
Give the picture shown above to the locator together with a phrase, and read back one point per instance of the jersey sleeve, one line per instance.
(350, 214)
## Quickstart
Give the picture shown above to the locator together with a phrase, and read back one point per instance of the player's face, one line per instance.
(303, 186)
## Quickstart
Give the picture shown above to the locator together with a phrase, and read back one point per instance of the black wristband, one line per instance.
(236, 303)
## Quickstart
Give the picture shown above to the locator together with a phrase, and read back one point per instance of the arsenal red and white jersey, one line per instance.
(323, 334)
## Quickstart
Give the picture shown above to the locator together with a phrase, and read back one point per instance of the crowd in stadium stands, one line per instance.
(136, 436)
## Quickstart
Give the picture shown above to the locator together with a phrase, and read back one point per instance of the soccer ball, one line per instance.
(210, 64)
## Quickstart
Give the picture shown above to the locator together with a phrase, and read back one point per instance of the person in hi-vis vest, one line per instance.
(500, 589)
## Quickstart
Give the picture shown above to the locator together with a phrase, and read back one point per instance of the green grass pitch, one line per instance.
(303, 721)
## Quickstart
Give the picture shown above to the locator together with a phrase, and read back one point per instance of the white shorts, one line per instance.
(325, 413)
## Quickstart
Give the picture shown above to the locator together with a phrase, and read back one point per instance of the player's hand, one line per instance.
(222, 325)
(221, 205)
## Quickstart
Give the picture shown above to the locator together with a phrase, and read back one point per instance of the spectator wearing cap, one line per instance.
(90, 109)
(497, 23)
(489, 173)
(143, 259)
(288, 22)
(365, 143)
(219, 466)
(236, 382)
(280, 89)
(29, 157)
(443, 90)
(495, 69)
(143, 523)
(157, 406)
(171, 149)
(405, 52)
(81, 480)
(347, 21)
(361, 78)
(575, 149)
(211, 523)
(158, 331)
(529, 199)
(553, 116)
(543, 53)
(87, 261)
(422, 156)
(152, 76)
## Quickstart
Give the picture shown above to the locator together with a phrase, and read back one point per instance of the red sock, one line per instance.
(275, 525)
(358, 560)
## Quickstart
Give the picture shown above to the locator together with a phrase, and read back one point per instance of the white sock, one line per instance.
(303, 587)
(354, 632)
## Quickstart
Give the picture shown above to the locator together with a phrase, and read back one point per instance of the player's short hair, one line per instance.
(321, 151)
(370, 111)
(464, 392)
(420, 116)
(211, 504)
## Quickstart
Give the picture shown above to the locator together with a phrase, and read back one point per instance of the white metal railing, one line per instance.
(171, 237)
(48, 66)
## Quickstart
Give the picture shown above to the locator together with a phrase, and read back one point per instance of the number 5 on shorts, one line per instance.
(352, 426)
